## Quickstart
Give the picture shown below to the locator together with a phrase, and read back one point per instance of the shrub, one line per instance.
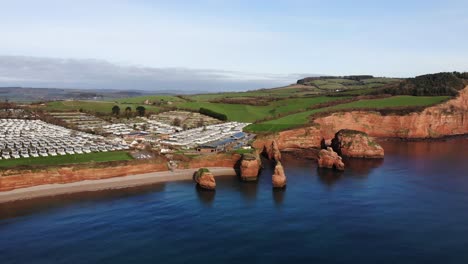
(213, 114)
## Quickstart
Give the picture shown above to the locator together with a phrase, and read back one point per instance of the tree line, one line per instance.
(437, 84)
(208, 112)
(140, 110)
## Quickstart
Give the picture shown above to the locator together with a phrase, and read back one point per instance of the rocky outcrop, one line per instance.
(205, 179)
(274, 153)
(330, 159)
(269, 147)
(279, 179)
(356, 144)
(301, 138)
(250, 166)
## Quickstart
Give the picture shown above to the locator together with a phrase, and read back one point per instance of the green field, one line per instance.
(270, 109)
(92, 106)
(67, 159)
(251, 113)
(151, 98)
(300, 119)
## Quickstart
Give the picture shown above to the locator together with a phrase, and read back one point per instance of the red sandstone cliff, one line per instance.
(21, 178)
(446, 119)
(449, 118)
(14, 179)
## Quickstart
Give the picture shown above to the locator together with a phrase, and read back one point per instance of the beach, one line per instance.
(104, 184)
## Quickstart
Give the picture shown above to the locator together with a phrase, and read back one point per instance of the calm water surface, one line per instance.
(411, 207)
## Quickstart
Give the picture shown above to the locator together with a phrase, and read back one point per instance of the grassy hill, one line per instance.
(301, 119)
(92, 106)
(291, 106)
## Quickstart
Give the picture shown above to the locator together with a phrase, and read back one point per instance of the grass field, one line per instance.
(152, 98)
(92, 106)
(67, 159)
(250, 113)
(395, 101)
(300, 119)
(286, 106)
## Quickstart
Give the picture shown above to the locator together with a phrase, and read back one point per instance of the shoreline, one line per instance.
(106, 184)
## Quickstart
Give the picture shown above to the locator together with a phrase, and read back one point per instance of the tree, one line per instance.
(141, 110)
(200, 122)
(116, 110)
(176, 122)
(208, 112)
(128, 112)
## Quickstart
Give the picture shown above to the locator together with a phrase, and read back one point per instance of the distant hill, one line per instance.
(310, 80)
(26, 94)
(351, 84)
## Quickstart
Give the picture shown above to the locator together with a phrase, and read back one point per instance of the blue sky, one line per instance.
(257, 42)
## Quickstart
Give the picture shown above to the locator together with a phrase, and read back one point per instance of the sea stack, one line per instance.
(205, 179)
(250, 167)
(279, 179)
(330, 159)
(356, 144)
(274, 153)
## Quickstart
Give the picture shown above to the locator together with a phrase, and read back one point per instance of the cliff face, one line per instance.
(216, 160)
(449, 118)
(27, 178)
(14, 179)
(446, 119)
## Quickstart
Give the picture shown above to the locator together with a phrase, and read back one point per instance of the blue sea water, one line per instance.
(411, 207)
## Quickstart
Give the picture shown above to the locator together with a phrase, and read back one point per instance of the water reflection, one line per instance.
(278, 196)
(25, 207)
(329, 176)
(362, 167)
(426, 149)
(357, 168)
(206, 197)
(249, 190)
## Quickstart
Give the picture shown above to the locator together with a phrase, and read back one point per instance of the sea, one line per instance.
(410, 207)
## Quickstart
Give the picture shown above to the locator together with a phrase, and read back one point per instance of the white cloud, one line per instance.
(96, 74)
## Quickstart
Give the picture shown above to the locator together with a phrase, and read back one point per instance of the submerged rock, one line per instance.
(356, 144)
(250, 167)
(205, 179)
(330, 159)
(278, 179)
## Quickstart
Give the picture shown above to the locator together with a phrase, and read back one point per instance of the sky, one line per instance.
(224, 45)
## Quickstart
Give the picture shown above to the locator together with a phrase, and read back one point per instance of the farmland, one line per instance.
(299, 119)
(91, 106)
(277, 108)
(251, 113)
